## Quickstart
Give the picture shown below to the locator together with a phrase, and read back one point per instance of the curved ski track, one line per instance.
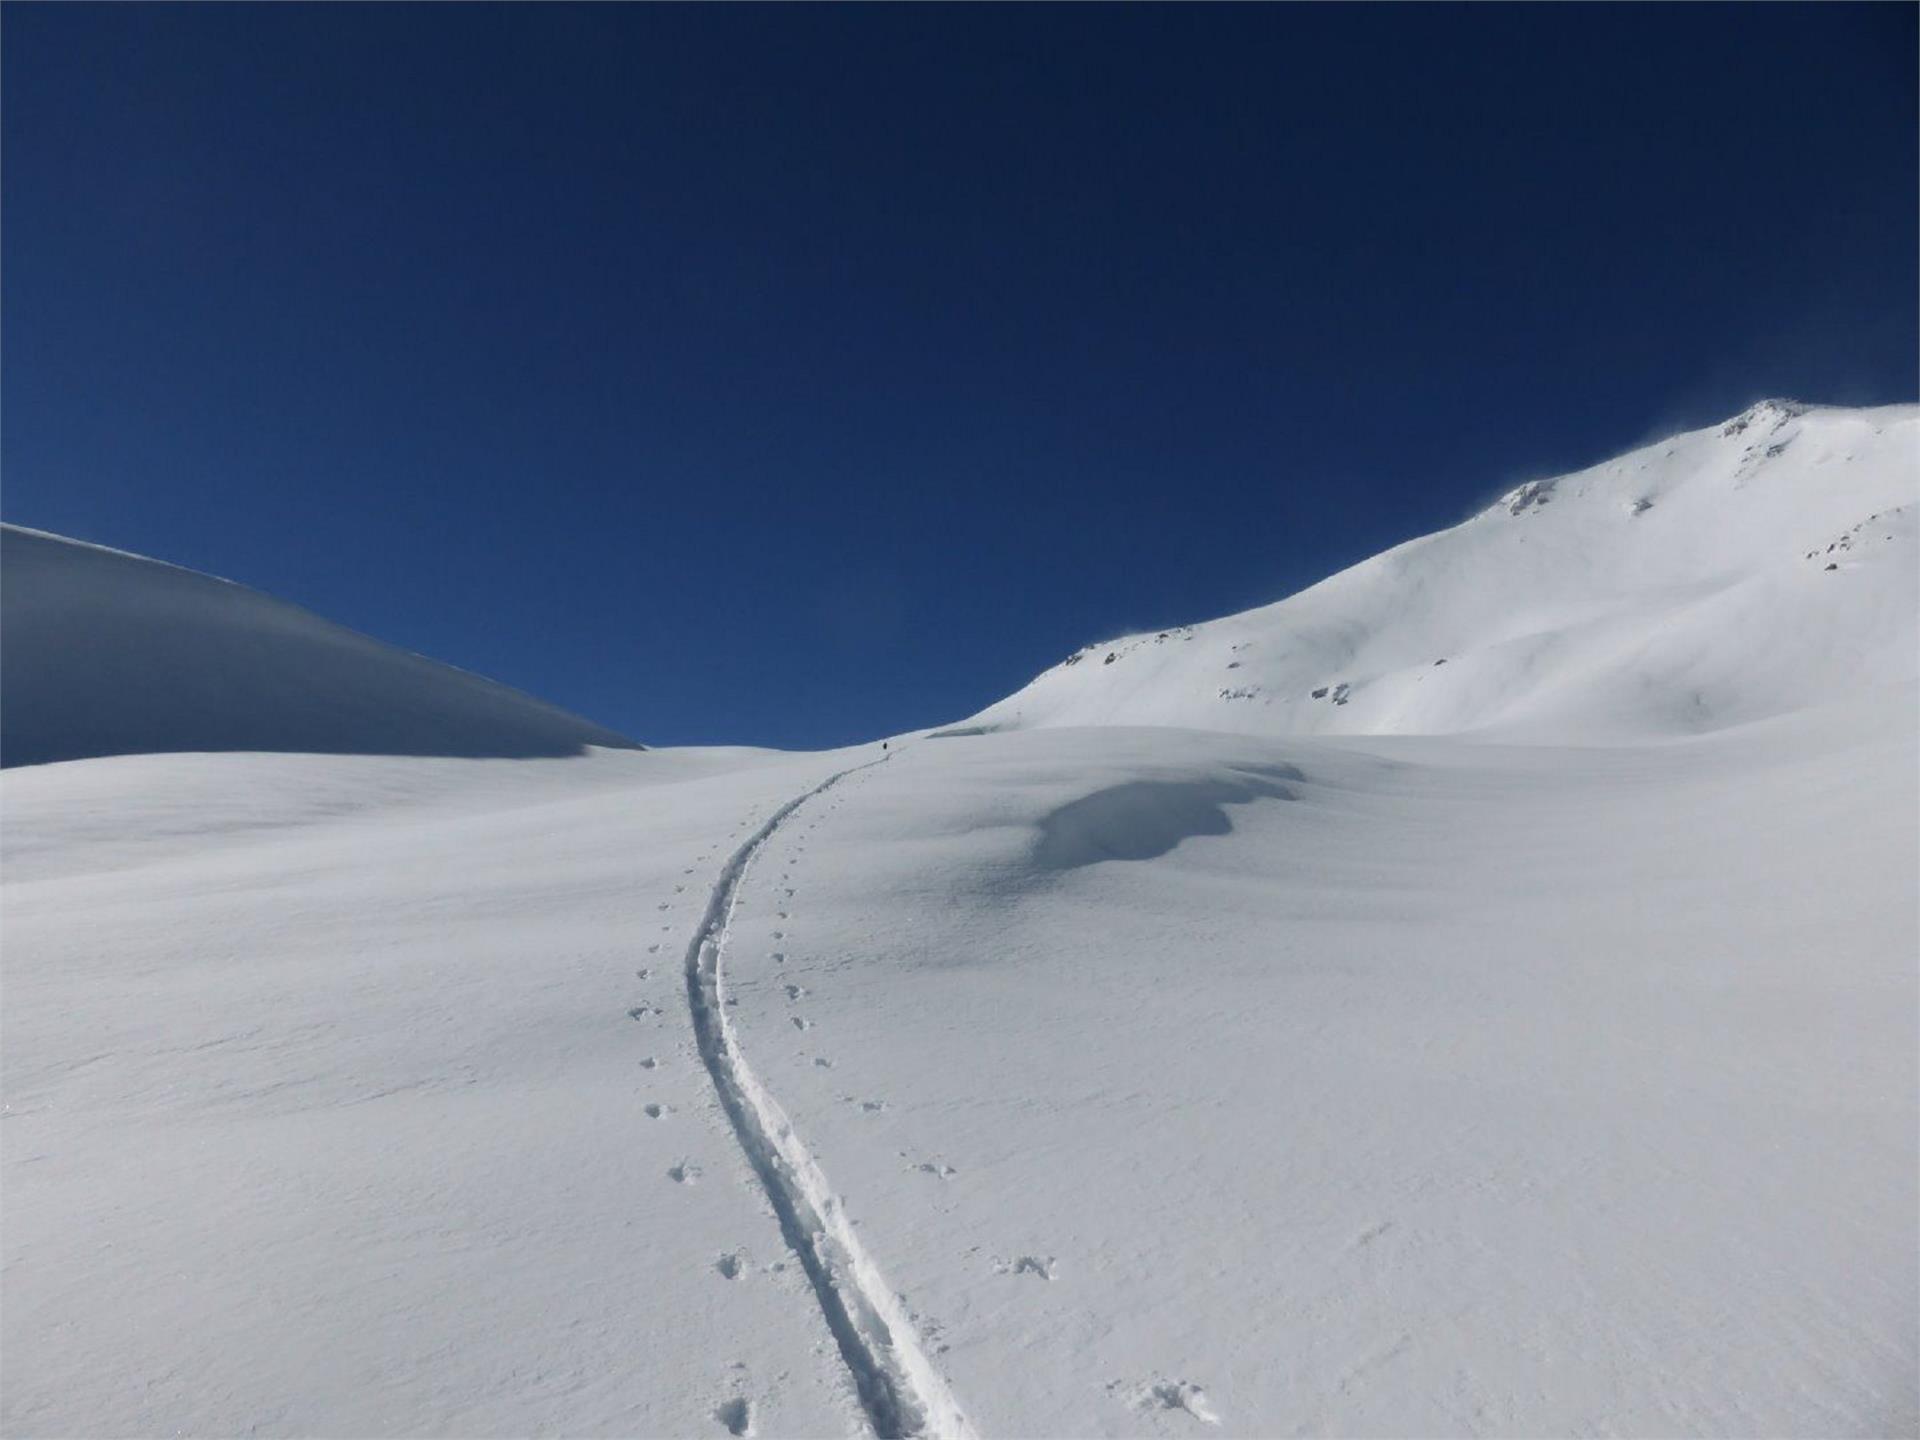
(901, 1391)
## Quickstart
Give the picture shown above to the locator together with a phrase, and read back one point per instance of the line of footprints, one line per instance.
(736, 1415)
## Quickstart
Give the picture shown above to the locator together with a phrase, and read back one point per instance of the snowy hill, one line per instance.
(1100, 1069)
(1717, 577)
(106, 653)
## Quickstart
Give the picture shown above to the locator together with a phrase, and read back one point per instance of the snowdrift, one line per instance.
(106, 653)
(1751, 569)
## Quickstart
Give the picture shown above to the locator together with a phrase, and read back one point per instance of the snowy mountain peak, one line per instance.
(1684, 586)
(1769, 413)
(1522, 497)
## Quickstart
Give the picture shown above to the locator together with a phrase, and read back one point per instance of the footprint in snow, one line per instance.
(737, 1416)
(938, 1170)
(794, 992)
(802, 1024)
(729, 1266)
(684, 1174)
(640, 1012)
(822, 1062)
(873, 1107)
(1176, 1395)
(1041, 1265)
(654, 1112)
(1367, 1236)
(649, 1063)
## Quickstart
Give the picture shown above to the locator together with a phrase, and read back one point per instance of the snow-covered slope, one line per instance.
(1368, 1087)
(106, 653)
(1720, 576)
(1088, 1079)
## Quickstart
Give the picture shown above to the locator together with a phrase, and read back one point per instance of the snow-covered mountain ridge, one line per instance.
(1748, 569)
(107, 653)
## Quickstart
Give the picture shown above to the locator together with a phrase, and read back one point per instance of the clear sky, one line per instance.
(793, 375)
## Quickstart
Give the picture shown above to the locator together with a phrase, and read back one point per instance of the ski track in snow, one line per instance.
(901, 1391)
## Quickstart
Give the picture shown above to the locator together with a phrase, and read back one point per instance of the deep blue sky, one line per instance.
(794, 375)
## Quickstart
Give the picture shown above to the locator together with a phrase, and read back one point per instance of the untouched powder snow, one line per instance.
(1549, 1073)
(1710, 579)
(106, 653)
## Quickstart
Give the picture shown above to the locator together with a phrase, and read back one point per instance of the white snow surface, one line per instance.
(1076, 1079)
(107, 653)
(1716, 577)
